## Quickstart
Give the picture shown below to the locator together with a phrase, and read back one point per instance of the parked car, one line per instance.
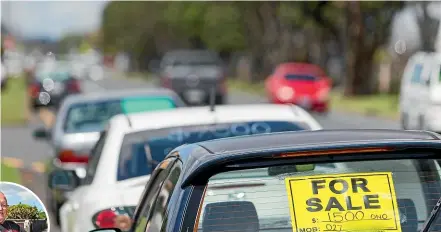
(51, 83)
(305, 85)
(420, 94)
(80, 120)
(194, 75)
(279, 183)
(134, 144)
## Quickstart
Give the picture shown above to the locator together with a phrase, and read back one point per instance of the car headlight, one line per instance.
(285, 93)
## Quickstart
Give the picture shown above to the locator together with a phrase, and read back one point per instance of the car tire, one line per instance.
(35, 107)
(220, 99)
(57, 214)
(4, 85)
(404, 121)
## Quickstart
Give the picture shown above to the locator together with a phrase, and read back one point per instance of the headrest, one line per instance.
(408, 215)
(230, 216)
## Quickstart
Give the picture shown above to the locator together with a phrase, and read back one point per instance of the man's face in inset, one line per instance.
(3, 207)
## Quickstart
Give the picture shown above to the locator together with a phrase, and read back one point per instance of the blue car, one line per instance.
(309, 181)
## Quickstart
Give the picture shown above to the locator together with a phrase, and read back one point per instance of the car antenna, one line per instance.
(213, 98)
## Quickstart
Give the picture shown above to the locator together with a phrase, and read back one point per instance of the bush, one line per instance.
(24, 211)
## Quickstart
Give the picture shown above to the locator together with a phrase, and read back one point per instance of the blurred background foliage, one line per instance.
(356, 34)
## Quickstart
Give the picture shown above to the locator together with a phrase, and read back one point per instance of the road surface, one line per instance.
(19, 146)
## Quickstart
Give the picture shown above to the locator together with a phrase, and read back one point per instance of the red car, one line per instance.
(305, 85)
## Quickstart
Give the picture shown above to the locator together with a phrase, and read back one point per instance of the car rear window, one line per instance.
(393, 195)
(297, 77)
(192, 58)
(142, 151)
(93, 116)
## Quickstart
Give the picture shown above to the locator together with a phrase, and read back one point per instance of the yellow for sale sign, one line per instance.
(346, 202)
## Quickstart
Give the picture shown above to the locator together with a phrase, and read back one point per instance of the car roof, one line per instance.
(209, 154)
(222, 114)
(115, 94)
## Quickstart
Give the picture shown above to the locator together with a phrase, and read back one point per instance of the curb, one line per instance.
(38, 167)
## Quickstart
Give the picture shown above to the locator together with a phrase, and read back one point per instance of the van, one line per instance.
(420, 93)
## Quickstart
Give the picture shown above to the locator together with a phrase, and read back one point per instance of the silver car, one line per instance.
(80, 120)
(194, 75)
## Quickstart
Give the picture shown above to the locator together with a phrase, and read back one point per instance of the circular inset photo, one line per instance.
(21, 210)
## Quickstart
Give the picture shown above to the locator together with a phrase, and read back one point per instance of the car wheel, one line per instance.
(3, 87)
(57, 214)
(404, 121)
(220, 99)
(35, 107)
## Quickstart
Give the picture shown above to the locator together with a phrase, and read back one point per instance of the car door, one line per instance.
(157, 220)
(70, 208)
(150, 194)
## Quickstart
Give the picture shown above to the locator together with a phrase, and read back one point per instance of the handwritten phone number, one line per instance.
(349, 216)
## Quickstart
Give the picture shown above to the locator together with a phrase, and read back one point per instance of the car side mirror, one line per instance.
(65, 180)
(106, 230)
(154, 66)
(42, 133)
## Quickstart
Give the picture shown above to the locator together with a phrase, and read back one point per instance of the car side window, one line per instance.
(158, 215)
(149, 196)
(416, 76)
(94, 158)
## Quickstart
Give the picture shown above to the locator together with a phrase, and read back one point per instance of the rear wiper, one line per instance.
(433, 216)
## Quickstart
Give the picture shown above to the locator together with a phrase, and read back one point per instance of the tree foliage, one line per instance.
(268, 31)
(24, 211)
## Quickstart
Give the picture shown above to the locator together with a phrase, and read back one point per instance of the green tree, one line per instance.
(263, 29)
(24, 211)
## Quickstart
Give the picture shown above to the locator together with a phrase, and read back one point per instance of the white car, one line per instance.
(420, 95)
(112, 184)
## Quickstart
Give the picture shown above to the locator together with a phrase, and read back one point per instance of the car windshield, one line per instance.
(142, 151)
(93, 116)
(298, 77)
(57, 71)
(392, 195)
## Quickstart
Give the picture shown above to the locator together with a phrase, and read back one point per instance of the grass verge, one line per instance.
(381, 105)
(13, 99)
(10, 174)
(384, 106)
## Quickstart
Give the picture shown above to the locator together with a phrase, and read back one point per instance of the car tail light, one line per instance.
(323, 94)
(34, 90)
(107, 218)
(74, 86)
(69, 156)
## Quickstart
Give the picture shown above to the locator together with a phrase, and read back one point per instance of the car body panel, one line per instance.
(188, 74)
(105, 173)
(309, 86)
(420, 92)
(84, 142)
(200, 159)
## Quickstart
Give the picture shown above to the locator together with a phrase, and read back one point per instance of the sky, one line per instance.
(53, 19)
(15, 194)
